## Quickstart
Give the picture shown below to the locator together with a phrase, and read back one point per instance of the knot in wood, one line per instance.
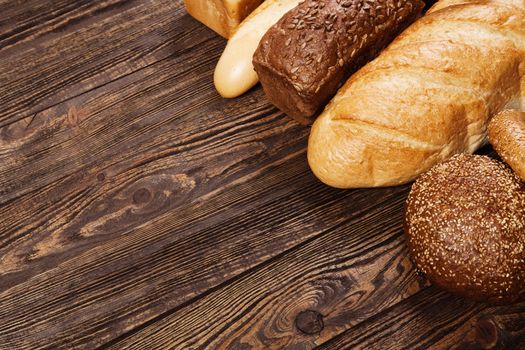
(487, 333)
(309, 322)
(141, 196)
(101, 177)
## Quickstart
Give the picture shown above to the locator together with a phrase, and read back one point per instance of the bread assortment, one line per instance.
(435, 92)
(507, 136)
(465, 223)
(234, 74)
(428, 96)
(311, 51)
(223, 16)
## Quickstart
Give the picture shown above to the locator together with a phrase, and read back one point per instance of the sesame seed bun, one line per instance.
(465, 223)
(507, 136)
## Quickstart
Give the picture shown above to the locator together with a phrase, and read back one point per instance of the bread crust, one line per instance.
(507, 136)
(305, 57)
(428, 96)
(222, 16)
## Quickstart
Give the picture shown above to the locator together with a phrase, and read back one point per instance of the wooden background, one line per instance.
(139, 210)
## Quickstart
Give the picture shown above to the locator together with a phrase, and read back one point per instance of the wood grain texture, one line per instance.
(344, 276)
(140, 209)
(51, 52)
(435, 319)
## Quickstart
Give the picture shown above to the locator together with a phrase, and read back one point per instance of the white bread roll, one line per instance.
(222, 16)
(234, 74)
(428, 96)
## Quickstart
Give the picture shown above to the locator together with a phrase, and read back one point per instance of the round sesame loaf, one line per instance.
(465, 222)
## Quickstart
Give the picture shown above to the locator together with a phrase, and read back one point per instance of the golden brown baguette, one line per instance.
(507, 136)
(428, 96)
(223, 16)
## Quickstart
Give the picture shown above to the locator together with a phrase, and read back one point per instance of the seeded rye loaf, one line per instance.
(303, 59)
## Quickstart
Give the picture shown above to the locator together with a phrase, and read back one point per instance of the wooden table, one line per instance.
(140, 210)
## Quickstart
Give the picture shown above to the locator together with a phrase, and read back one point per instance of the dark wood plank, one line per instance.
(102, 125)
(129, 279)
(438, 320)
(60, 50)
(24, 19)
(86, 216)
(137, 207)
(343, 277)
(70, 170)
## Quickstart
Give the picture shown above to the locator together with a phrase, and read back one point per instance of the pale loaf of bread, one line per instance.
(234, 74)
(428, 96)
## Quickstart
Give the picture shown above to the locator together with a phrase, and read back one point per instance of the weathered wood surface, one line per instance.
(138, 209)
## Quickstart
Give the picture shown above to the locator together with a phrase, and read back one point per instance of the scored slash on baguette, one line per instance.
(428, 96)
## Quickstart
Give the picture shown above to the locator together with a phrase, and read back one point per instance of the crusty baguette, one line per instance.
(507, 136)
(428, 96)
(234, 74)
(223, 16)
(306, 56)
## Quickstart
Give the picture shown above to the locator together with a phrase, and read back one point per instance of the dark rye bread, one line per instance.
(304, 58)
(465, 224)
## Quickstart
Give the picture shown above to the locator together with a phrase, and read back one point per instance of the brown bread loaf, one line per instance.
(311, 51)
(465, 224)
